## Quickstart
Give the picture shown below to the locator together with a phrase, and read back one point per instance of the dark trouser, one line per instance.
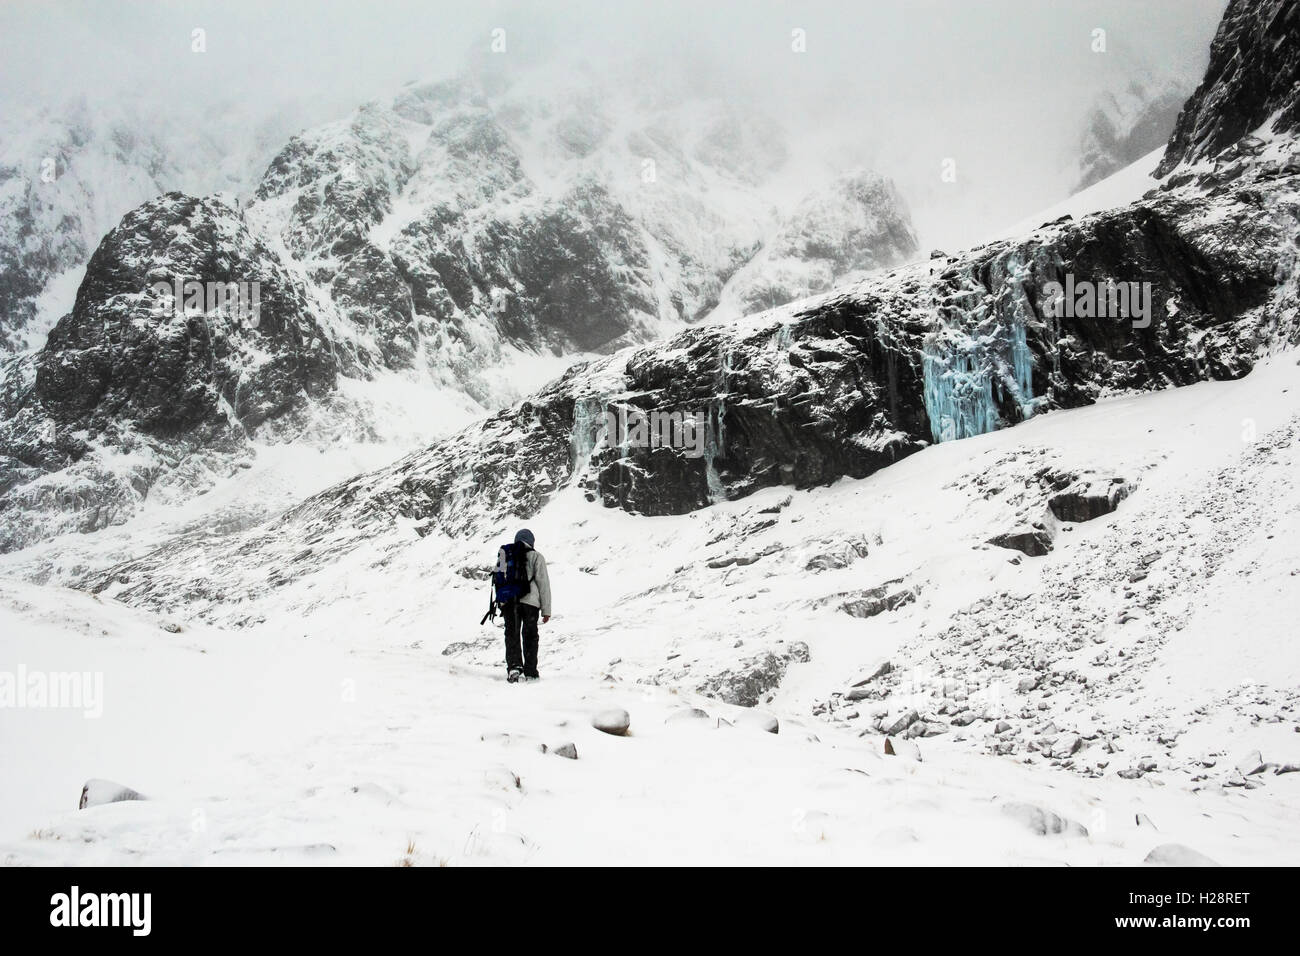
(521, 617)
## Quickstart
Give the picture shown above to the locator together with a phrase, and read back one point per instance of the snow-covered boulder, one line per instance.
(1175, 854)
(1041, 821)
(99, 792)
(614, 721)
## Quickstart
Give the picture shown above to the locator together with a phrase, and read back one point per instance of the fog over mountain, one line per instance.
(897, 86)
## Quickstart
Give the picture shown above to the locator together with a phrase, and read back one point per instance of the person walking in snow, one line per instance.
(523, 592)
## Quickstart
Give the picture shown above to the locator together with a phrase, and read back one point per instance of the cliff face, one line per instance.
(411, 235)
(1251, 78)
(445, 245)
(136, 390)
(848, 383)
(462, 223)
(840, 386)
(854, 381)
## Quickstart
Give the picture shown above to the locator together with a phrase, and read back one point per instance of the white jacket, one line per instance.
(539, 582)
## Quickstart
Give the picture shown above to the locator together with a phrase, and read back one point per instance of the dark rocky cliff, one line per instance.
(1254, 74)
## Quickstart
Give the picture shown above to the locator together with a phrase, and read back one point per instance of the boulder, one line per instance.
(879, 670)
(764, 722)
(1088, 500)
(902, 748)
(98, 792)
(614, 721)
(902, 723)
(1175, 854)
(1250, 764)
(1066, 745)
(1041, 821)
(924, 728)
(1033, 540)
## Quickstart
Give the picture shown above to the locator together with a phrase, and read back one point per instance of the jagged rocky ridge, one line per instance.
(69, 172)
(1251, 81)
(857, 380)
(412, 242)
(854, 381)
(464, 223)
(130, 398)
(840, 386)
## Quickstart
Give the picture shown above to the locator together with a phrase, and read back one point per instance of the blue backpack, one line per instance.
(510, 580)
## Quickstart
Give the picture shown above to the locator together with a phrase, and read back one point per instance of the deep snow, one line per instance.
(250, 751)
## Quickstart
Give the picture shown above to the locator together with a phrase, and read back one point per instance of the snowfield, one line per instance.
(1131, 689)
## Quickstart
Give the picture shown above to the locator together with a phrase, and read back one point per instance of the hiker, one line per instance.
(523, 592)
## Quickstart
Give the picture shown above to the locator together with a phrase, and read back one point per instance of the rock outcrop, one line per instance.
(139, 391)
(1251, 78)
(849, 383)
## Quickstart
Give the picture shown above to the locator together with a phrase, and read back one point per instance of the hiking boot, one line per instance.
(529, 678)
(513, 675)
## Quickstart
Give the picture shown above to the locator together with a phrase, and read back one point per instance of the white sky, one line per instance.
(1001, 85)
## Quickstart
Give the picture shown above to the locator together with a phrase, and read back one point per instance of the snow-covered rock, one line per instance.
(567, 750)
(615, 721)
(96, 793)
(1127, 123)
(440, 241)
(1175, 854)
(1041, 821)
(138, 393)
(1248, 85)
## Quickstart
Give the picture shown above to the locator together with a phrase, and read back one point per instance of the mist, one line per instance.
(1000, 89)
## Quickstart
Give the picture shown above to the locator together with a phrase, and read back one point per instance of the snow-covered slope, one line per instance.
(369, 696)
(1122, 187)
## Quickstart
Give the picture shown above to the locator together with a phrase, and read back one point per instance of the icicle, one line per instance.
(783, 338)
(712, 447)
(958, 391)
(715, 439)
(1022, 367)
(589, 430)
(1018, 312)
